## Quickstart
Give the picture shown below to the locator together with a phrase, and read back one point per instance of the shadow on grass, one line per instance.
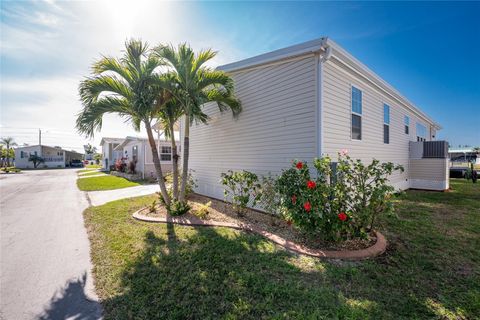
(213, 274)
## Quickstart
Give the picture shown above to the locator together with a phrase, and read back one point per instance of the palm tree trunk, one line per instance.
(186, 150)
(174, 162)
(156, 162)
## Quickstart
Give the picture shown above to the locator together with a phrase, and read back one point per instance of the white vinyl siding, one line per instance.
(277, 124)
(337, 83)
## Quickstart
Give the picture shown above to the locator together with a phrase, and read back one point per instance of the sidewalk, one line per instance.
(97, 198)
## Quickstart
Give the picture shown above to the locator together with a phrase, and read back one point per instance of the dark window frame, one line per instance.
(356, 104)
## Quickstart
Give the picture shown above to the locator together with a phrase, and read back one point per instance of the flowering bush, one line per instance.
(242, 188)
(336, 204)
(120, 165)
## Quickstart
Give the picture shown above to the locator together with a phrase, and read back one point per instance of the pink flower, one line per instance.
(343, 152)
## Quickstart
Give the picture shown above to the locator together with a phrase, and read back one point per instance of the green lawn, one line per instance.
(93, 166)
(431, 269)
(104, 183)
(90, 173)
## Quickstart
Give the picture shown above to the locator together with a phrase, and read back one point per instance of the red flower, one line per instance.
(342, 216)
(294, 199)
(311, 184)
(289, 222)
(299, 165)
(307, 206)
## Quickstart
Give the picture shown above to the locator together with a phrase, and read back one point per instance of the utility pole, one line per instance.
(39, 137)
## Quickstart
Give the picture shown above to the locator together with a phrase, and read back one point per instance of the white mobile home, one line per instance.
(54, 157)
(138, 150)
(303, 102)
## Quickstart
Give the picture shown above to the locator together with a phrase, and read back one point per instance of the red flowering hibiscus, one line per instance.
(311, 184)
(299, 165)
(307, 206)
(342, 216)
(294, 199)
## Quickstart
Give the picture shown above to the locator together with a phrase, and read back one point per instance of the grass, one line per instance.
(10, 169)
(85, 170)
(91, 173)
(93, 166)
(104, 183)
(431, 269)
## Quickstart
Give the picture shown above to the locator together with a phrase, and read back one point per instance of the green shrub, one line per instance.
(203, 210)
(242, 188)
(153, 206)
(177, 208)
(336, 204)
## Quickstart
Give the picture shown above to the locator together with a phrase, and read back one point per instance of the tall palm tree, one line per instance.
(194, 84)
(8, 142)
(126, 87)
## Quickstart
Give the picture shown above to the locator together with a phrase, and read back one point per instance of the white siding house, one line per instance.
(139, 150)
(54, 157)
(109, 155)
(300, 103)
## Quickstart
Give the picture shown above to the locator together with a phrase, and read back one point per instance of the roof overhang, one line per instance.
(320, 47)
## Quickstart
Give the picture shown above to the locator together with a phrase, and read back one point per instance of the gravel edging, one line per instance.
(377, 249)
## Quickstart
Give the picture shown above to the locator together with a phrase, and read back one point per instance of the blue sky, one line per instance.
(427, 50)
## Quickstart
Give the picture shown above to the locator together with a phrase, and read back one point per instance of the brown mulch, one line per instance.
(221, 211)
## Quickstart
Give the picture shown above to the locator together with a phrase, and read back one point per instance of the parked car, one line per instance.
(76, 164)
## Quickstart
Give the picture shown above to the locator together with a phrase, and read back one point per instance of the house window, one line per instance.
(406, 121)
(421, 132)
(386, 123)
(356, 114)
(21, 154)
(166, 153)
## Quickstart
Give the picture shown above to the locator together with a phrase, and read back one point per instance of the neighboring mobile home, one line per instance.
(139, 151)
(303, 102)
(54, 157)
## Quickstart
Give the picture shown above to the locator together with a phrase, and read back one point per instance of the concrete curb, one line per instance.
(375, 250)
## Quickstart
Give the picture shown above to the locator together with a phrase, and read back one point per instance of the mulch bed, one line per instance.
(221, 211)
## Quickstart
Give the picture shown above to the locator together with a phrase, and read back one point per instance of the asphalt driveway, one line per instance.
(45, 261)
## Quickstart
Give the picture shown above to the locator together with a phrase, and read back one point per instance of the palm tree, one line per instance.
(36, 160)
(169, 116)
(125, 87)
(8, 142)
(193, 84)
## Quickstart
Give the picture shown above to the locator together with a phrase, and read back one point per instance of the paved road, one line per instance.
(45, 261)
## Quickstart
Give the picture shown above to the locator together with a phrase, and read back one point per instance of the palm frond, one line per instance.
(109, 64)
(202, 58)
(90, 118)
(91, 88)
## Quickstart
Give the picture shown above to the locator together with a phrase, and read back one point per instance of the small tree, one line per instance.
(8, 142)
(36, 160)
(97, 157)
